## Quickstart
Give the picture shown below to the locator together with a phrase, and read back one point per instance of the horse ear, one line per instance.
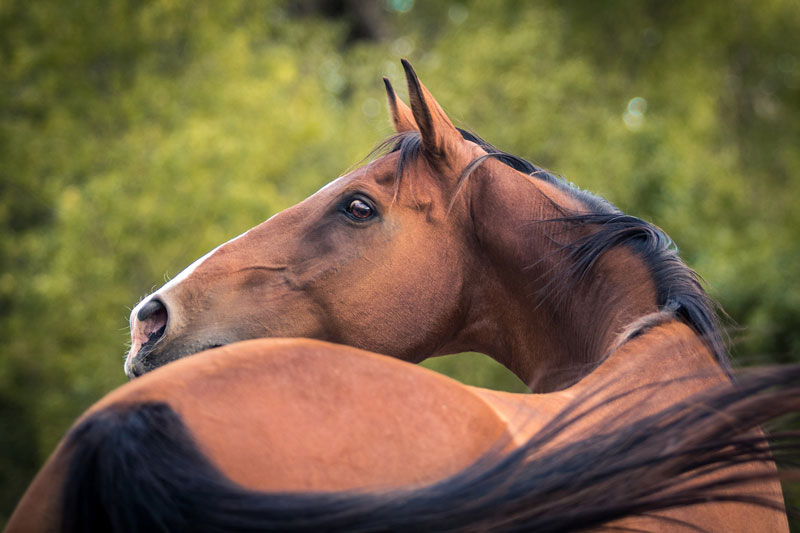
(437, 132)
(402, 118)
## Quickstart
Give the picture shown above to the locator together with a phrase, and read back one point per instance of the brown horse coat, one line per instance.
(304, 415)
(443, 244)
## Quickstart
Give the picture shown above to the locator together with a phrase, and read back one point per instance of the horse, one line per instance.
(443, 244)
(440, 244)
(302, 435)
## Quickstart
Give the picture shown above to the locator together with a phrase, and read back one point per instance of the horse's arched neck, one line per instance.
(528, 313)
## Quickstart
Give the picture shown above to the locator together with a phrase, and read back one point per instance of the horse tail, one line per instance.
(136, 467)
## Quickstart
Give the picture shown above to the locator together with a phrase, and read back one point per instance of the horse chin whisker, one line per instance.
(204, 348)
(212, 346)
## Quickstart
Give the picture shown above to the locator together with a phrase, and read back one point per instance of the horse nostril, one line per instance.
(152, 318)
(149, 309)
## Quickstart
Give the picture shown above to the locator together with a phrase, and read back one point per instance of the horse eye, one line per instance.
(359, 210)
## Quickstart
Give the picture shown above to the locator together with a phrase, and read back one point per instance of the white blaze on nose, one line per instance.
(182, 276)
(186, 272)
(328, 184)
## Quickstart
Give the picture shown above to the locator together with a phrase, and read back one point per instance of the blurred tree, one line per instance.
(135, 136)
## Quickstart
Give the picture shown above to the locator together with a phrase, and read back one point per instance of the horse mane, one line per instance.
(137, 467)
(678, 287)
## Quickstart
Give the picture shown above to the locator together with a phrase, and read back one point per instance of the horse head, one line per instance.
(442, 244)
(377, 259)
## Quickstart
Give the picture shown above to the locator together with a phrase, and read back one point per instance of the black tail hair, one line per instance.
(136, 467)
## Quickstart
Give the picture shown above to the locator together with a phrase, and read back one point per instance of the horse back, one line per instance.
(301, 415)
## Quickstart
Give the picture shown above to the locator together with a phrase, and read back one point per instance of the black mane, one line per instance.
(678, 287)
(137, 467)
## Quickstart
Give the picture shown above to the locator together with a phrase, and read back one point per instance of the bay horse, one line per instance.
(302, 435)
(442, 244)
(445, 244)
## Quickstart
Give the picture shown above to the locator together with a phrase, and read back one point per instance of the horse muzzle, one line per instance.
(148, 325)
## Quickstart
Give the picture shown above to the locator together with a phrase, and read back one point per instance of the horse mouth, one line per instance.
(146, 360)
(150, 344)
(153, 342)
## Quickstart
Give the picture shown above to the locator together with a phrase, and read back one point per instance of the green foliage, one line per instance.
(135, 136)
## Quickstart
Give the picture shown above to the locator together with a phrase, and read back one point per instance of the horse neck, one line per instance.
(664, 364)
(549, 329)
